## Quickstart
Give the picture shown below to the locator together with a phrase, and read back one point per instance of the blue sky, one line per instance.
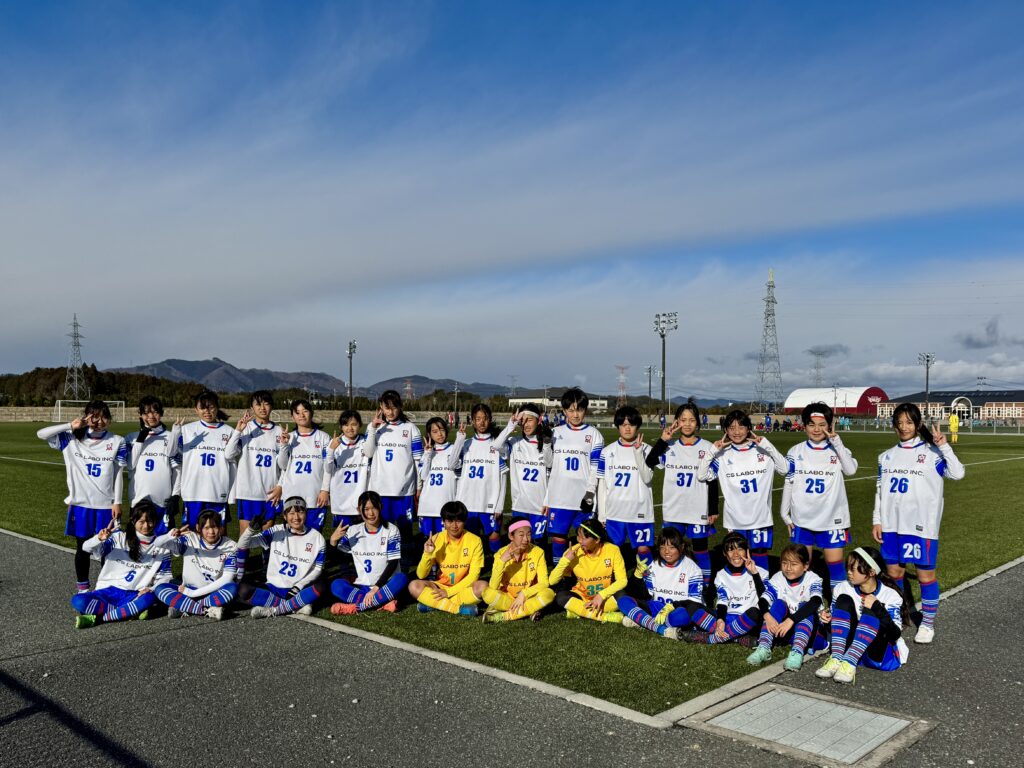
(479, 190)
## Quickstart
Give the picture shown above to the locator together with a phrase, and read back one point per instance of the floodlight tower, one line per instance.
(769, 368)
(927, 359)
(74, 381)
(649, 370)
(408, 392)
(663, 323)
(351, 353)
(622, 384)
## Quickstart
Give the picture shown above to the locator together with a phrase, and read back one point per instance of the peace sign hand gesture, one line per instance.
(284, 437)
(938, 437)
(378, 418)
(335, 441)
(244, 421)
(104, 534)
(338, 533)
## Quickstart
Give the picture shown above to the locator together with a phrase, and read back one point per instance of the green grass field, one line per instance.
(981, 529)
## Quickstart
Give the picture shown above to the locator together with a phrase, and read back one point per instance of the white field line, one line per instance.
(33, 461)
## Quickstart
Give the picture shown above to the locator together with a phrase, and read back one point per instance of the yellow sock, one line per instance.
(445, 604)
(612, 617)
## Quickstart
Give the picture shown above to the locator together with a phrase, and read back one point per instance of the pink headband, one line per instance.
(517, 525)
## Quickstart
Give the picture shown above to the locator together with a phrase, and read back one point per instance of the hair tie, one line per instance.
(875, 570)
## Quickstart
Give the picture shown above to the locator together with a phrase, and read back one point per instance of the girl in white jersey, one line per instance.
(254, 448)
(438, 479)
(134, 562)
(209, 572)
(349, 467)
(745, 464)
(375, 547)
(304, 465)
(93, 460)
(814, 504)
(155, 466)
(908, 506)
(482, 477)
(206, 472)
(529, 460)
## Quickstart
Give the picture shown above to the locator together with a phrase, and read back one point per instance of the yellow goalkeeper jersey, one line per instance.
(529, 575)
(458, 562)
(603, 573)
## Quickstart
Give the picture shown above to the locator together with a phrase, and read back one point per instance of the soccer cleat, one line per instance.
(925, 634)
(144, 615)
(747, 641)
(759, 656)
(173, 613)
(261, 612)
(468, 610)
(306, 610)
(536, 616)
(344, 609)
(423, 608)
(846, 674)
(215, 612)
(492, 617)
(571, 615)
(390, 606)
(828, 669)
(85, 621)
(699, 636)
(794, 661)
(672, 633)
(628, 622)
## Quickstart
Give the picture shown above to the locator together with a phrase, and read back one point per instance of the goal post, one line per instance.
(69, 410)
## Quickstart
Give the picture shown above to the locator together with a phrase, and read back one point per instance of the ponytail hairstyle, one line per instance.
(428, 441)
(676, 539)
(492, 430)
(543, 431)
(855, 562)
(304, 403)
(92, 408)
(206, 398)
(393, 399)
(144, 508)
(914, 414)
(690, 406)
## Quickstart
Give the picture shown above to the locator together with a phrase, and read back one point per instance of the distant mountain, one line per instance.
(709, 402)
(424, 385)
(221, 376)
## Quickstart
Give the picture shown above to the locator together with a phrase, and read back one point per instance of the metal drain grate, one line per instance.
(810, 724)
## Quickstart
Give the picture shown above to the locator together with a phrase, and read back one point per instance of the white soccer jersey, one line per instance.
(529, 468)
(438, 479)
(206, 568)
(575, 453)
(255, 452)
(890, 598)
(371, 552)
(206, 472)
(296, 559)
(814, 496)
(793, 595)
(626, 497)
(349, 469)
(154, 466)
(745, 476)
(737, 591)
(92, 465)
(684, 498)
(119, 570)
(482, 478)
(674, 583)
(303, 464)
(908, 496)
(396, 448)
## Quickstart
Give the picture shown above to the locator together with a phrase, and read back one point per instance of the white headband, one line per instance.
(875, 570)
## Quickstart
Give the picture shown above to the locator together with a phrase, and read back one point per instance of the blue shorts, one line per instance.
(315, 517)
(758, 538)
(339, 519)
(691, 531)
(431, 525)
(899, 548)
(637, 534)
(837, 538)
(397, 510)
(561, 521)
(84, 523)
(538, 522)
(247, 509)
(483, 523)
(190, 511)
(890, 660)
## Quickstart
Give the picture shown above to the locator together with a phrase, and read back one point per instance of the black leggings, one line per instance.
(81, 561)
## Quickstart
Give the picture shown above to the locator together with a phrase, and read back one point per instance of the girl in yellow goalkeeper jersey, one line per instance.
(519, 578)
(600, 574)
(458, 556)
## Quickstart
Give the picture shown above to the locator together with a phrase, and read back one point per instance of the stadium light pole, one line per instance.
(351, 353)
(649, 369)
(927, 359)
(663, 323)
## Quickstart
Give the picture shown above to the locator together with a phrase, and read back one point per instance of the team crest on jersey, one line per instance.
(833, 460)
(405, 433)
(920, 458)
(465, 552)
(760, 458)
(309, 547)
(224, 439)
(110, 446)
(533, 567)
(588, 439)
(608, 563)
(700, 454)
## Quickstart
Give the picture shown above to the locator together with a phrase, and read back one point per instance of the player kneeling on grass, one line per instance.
(867, 615)
(600, 574)
(675, 584)
(790, 605)
(375, 547)
(209, 571)
(134, 561)
(296, 560)
(459, 558)
(739, 585)
(519, 578)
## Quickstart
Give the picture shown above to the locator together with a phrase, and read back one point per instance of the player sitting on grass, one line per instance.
(134, 561)
(739, 585)
(675, 584)
(296, 560)
(459, 558)
(600, 574)
(209, 571)
(519, 578)
(789, 605)
(375, 547)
